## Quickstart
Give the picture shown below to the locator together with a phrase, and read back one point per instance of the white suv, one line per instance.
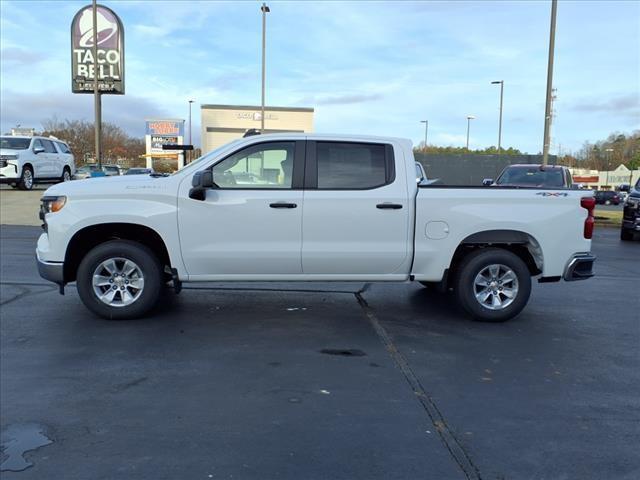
(28, 160)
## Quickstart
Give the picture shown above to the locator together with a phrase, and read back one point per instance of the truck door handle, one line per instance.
(389, 206)
(283, 205)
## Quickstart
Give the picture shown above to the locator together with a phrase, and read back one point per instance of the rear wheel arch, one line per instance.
(518, 242)
(84, 240)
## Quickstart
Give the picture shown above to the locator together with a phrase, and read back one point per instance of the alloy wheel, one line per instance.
(495, 287)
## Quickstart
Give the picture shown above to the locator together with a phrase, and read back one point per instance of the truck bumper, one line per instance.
(52, 271)
(580, 267)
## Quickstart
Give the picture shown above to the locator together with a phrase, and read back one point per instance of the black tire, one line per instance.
(66, 175)
(26, 179)
(626, 235)
(465, 287)
(142, 256)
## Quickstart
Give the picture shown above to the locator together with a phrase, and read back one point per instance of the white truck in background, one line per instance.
(25, 161)
(310, 207)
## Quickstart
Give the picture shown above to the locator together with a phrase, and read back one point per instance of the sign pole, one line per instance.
(547, 113)
(96, 93)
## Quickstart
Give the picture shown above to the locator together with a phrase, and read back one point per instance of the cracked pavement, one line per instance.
(230, 380)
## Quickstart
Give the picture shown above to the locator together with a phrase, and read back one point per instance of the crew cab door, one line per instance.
(356, 210)
(250, 225)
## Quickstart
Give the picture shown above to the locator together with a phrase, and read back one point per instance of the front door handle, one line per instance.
(282, 205)
(389, 206)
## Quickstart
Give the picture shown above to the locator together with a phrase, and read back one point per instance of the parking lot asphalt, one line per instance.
(315, 381)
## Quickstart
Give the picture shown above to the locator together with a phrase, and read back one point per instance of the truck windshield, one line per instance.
(534, 176)
(13, 143)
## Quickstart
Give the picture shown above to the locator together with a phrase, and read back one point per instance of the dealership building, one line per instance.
(224, 123)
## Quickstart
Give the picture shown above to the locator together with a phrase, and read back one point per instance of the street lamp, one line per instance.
(547, 109)
(190, 102)
(426, 130)
(608, 150)
(469, 118)
(501, 82)
(264, 9)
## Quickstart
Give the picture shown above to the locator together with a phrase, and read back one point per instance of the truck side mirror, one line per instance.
(200, 183)
(38, 150)
(487, 182)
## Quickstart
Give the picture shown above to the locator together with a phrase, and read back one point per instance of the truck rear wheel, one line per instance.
(119, 279)
(493, 285)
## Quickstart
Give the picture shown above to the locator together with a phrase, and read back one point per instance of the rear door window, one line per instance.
(62, 148)
(352, 166)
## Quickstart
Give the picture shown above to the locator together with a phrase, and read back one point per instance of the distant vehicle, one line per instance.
(25, 161)
(420, 173)
(605, 197)
(112, 170)
(88, 171)
(139, 171)
(532, 175)
(631, 214)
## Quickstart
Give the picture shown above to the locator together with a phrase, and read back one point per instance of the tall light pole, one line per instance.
(469, 118)
(547, 108)
(97, 100)
(190, 102)
(426, 130)
(608, 150)
(501, 82)
(265, 9)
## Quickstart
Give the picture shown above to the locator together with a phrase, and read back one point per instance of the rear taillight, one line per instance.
(589, 203)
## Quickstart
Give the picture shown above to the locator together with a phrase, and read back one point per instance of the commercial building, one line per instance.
(223, 123)
(605, 180)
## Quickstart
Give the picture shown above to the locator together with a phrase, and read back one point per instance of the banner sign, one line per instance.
(163, 132)
(110, 59)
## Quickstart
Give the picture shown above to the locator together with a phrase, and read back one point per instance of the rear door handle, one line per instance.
(389, 206)
(282, 205)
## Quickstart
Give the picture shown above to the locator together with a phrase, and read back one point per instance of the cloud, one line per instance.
(128, 112)
(347, 99)
(21, 56)
(628, 105)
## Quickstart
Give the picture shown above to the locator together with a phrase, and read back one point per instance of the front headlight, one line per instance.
(53, 204)
(8, 157)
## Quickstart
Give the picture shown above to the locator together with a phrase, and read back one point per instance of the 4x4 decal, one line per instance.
(552, 194)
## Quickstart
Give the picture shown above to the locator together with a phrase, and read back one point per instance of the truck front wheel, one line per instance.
(119, 279)
(493, 285)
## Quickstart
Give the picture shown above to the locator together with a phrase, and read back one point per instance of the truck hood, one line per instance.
(124, 185)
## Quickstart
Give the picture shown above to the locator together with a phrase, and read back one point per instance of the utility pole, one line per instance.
(96, 94)
(426, 130)
(547, 109)
(265, 9)
(501, 82)
(608, 150)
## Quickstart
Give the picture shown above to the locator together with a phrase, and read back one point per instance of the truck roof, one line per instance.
(331, 136)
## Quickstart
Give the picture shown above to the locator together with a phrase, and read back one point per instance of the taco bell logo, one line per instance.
(108, 65)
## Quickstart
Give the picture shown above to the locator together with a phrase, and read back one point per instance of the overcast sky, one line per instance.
(366, 67)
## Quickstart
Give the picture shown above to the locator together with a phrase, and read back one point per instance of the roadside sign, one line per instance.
(110, 61)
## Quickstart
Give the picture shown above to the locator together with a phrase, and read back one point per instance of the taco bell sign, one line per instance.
(110, 58)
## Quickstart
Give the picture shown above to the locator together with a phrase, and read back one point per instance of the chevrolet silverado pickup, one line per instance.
(309, 207)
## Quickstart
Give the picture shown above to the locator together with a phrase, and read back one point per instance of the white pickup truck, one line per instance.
(309, 207)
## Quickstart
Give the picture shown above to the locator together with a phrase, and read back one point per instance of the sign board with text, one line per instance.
(110, 57)
(163, 132)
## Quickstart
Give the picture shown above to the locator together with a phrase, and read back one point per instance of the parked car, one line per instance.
(25, 161)
(112, 170)
(341, 208)
(606, 197)
(139, 171)
(631, 214)
(88, 171)
(552, 176)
